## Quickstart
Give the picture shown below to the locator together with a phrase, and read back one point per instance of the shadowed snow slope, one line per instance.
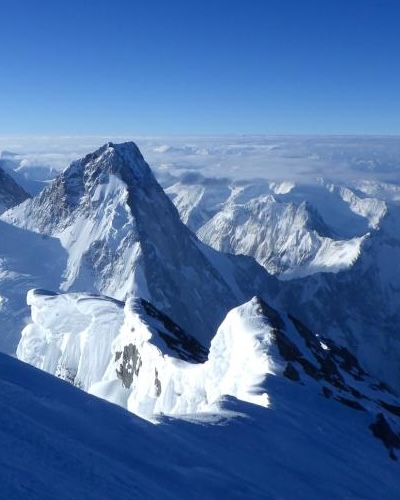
(303, 445)
(124, 237)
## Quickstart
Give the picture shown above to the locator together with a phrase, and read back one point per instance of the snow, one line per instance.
(106, 210)
(287, 445)
(26, 260)
(58, 443)
(291, 231)
(84, 339)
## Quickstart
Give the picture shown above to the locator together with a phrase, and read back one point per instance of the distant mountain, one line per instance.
(291, 230)
(123, 237)
(359, 307)
(32, 178)
(11, 193)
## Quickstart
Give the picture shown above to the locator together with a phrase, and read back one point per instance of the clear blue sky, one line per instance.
(210, 66)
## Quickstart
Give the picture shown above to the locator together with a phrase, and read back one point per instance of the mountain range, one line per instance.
(268, 309)
(334, 248)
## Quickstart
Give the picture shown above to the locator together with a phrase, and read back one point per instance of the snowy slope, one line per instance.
(309, 399)
(123, 236)
(59, 442)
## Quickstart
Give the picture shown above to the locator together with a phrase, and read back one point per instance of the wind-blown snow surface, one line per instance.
(59, 442)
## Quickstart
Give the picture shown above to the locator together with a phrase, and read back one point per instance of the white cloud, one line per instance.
(297, 158)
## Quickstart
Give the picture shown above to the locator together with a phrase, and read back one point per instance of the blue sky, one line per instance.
(200, 67)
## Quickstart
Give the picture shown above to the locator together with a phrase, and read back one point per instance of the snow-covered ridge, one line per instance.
(136, 357)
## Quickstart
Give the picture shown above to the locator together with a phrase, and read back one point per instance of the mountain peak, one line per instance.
(124, 238)
(123, 159)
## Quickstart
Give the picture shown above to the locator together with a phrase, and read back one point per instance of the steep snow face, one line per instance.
(124, 237)
(71, 335)
(137, 358)
(11, 193)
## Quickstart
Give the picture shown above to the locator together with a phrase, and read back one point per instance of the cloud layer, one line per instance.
(296, 158)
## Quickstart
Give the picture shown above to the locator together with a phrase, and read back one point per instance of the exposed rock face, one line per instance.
(130, 364)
